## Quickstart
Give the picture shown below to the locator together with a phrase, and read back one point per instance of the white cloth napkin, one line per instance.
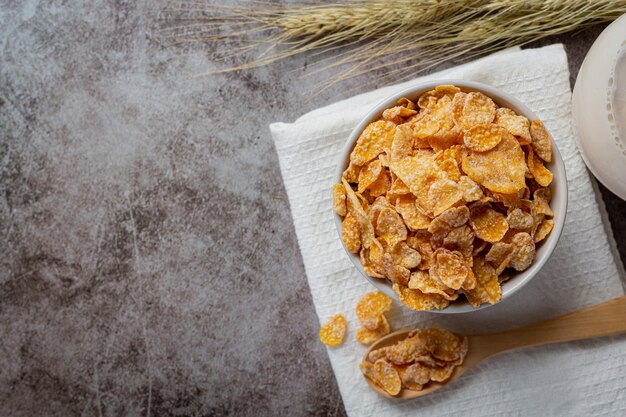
(581, 378)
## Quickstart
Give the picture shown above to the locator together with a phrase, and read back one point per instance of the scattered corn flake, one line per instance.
(386, 376)
(390, 227)
(339, 199)
(450, 268)
(541, 142)
(375, 139)
(481, 138)
(471, 190)
(370, 309)
(519, 219)
(367, 336)
(543, 230)
(351, 234)
(523, 251)
(501, 169)
(417, 300)
(499, 256)
(487, 289)
(443, 194)
(460, 239)
(413, 218)
(488, 224)
(333, 331)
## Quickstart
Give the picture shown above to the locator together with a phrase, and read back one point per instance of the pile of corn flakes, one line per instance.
(424, 355)
(446, 196)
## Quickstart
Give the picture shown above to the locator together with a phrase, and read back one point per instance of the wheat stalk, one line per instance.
(398, 37)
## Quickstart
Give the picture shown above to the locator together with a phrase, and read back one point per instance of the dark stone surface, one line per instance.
(148, 261)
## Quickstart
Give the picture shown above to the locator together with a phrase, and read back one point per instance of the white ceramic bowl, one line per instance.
(558, 186)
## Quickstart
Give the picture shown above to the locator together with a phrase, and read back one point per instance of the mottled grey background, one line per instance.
(148, 264)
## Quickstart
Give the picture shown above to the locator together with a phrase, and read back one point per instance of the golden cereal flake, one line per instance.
(405, 256)
(339, 199)
(449, 268)
(383, 374)
(390, 227)
(417, 300)
(375, 139)
(443, 194)
(369, 173)
(366, 336)
(542, 175)
(446, 345)
(501, 169)
(523, 251)
(476, 109)
(499, 256)
(481, 138)
(471, 190)
(543, 230)
(519, 219)
(370, 309)
(487, 289)
(413, 218)
(350, 233)
(421, 280)
(356, 209)
(334, 330)
(518, 126)
(488, 224)
(541, 140)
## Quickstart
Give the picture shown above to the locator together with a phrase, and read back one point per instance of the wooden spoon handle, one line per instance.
(604, 319)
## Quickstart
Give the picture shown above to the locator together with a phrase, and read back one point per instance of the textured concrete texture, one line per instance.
(148, 265)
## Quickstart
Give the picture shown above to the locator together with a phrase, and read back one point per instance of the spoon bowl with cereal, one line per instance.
(413, 363)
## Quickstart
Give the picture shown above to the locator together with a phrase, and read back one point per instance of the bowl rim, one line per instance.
(557, 166)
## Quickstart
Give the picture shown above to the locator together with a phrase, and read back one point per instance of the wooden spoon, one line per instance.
(604, 319)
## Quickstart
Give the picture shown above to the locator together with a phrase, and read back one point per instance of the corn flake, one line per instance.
(390, 227)
(542, 175)
(488, 224)
(351, 234)
(541, 142)
(370, 309)
(334, 330)
(476, 109)
(523, 251)
(501, 169)
(421, 280)
(543, 230)
(383, 374)
(417, 300)
(443, 194)
(499, 256)
(375, 139)
(339, 199)
(449, 268)
(487, 289)
(367, 337)
(413, 218)
(481, 138)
